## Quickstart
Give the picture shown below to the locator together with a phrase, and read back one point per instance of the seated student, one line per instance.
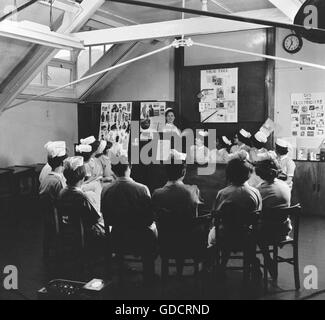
(221, 154)
(73, 204)
(257, 153)
(199, 153)
(47, 168)
(287, 165)
(237, 195)
(241, 141)
(94, 171)
(258, 150)
(176, 207)
(92, 165)
(105, 160)
(54, 182)
(276, 194)
(126, 207)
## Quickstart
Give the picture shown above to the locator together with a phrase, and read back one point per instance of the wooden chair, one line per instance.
(127, 245)
(51, 243)
(181, 242)
(72, 242)
(235, 238)
(274, 245)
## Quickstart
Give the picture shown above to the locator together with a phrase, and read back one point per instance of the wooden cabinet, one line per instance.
(309, 187)
(6, 191)
(321, 189)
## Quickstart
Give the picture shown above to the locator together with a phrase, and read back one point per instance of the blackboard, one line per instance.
(252, 107)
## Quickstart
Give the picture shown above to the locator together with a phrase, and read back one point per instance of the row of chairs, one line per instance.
(177, 248)
(173, 247)
(241, 248)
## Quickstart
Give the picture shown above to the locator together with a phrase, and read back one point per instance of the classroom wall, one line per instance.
(25, 130)
(151, 78)
(250, 40)
(292, 78)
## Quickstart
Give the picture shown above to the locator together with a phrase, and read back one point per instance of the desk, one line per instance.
(309, 187)
(6, 191)
(23, 180)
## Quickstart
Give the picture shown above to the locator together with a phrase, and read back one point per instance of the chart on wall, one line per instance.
(308, 114)
(152, 118)
(219, 96)
(115, 125)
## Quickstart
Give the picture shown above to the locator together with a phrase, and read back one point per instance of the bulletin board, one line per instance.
(308, 115)
(219, 95)
(251, 94)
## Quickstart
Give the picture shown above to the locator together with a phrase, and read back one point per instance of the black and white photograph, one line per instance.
(162, 155)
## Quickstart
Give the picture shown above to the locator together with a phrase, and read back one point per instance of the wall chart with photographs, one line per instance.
(152, 118)
(308, 114)
(219, 96)
(115, 125)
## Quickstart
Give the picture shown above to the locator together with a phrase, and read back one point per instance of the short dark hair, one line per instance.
(244, 140)
(56, 162)
(282, 151)
(74, 176)
(175, 171)
(120, 165)
(222, 145)
(94, 147)
(257, 144)
(170, 111)
(238, 171)
(109, 145)
(268, 170)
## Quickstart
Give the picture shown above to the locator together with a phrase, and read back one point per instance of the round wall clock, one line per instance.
(292, 43)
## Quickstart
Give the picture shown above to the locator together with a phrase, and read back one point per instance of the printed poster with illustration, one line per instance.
(152, 118)
(308, 115)
(115, 125)
(219, 96)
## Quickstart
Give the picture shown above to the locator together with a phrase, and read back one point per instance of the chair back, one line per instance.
(235, 219)
(181, 238)
(235, 227)
(49, 214)
(281, 216)
(71, 226)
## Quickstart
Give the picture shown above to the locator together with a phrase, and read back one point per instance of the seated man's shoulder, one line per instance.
(140, 186)
(249, 188)
(109, 187)
(190, 188)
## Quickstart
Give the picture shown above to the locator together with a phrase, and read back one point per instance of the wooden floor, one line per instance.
(21, 245)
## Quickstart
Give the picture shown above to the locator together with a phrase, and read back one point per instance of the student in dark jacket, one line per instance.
(74, 206)
(176, 207)
(127, 208)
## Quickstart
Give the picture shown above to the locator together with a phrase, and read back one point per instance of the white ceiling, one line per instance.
(147, 15)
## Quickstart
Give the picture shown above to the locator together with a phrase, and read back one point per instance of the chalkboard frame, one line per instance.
(252, 92)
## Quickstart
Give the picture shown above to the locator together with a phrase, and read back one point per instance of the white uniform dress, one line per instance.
(200, 154)
(288, 167)
(219, 156)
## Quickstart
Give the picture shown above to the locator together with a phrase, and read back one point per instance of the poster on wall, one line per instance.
(219, 96)
(152, 118)
(115, 125)
(308, 115)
